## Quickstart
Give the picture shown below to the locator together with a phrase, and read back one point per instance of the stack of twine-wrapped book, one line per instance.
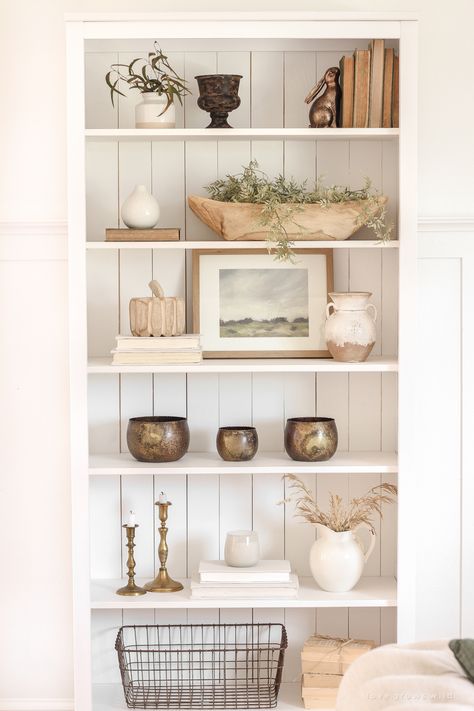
(324, 661)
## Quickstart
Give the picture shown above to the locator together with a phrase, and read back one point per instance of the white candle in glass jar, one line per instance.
(242, 549)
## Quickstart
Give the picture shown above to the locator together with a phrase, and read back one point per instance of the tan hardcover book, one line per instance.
(151, 358)
(346, 66)
(377, 60)
(331, 667)
(157, 343)
(387, 89)
(361, 88)
(158, 234)
(321, 655)
(319, 698)
(395, 92)
(321, 681)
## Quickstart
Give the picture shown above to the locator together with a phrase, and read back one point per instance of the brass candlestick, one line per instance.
(163, 582)
(131, 588)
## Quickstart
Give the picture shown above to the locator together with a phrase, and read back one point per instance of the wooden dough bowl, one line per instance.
(240, 221)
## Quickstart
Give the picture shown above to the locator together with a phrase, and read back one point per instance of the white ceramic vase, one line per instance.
(141, 210)
(350, 326)
(149, 113)
(241, 549)
(337, 559)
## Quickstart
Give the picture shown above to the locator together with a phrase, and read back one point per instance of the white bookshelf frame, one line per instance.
(239, 25)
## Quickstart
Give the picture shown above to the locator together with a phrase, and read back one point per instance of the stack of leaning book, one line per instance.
(144, 350)
(267, 579)
(369, 87)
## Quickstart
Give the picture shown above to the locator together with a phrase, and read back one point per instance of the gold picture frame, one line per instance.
(226, 274)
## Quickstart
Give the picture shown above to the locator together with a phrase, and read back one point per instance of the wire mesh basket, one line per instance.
(201, 666)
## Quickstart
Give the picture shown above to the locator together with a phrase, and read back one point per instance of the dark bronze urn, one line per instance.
(218, 95)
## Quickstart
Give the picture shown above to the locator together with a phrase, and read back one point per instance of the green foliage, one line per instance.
(283, 198)
(153, 74)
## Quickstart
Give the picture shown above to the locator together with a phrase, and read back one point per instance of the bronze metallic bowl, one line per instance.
(158, 439)
(310, 439)
(237, 444)
(218, 94)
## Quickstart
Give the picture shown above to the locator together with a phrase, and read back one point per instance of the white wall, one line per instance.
(35, 607)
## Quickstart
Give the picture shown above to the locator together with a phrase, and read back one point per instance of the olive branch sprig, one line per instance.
(151, 74)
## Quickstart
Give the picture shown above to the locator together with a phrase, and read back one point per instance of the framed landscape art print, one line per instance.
(247, 305)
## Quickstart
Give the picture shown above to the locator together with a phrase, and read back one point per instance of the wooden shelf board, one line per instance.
(109, 697)
(180, 134)
(263, 463)
(251, 365)
(369, 592)
(223, 244)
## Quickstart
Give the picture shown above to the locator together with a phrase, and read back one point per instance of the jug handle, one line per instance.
(328, 309)
(370, 549)
(374, 311)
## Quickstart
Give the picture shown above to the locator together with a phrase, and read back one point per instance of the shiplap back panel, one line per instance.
(275, 81)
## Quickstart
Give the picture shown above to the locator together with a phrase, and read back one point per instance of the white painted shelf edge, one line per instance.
(180, 134)
(264, 463)
(109, 697)
(369, 592)
(224, 244)
(251, 365)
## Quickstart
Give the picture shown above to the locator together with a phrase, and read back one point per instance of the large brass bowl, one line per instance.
(158, 439)
(310, 439)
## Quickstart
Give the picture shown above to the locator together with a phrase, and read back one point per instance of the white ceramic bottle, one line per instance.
(149, 113)
(350, 328)
(141, 210)
(337, 559)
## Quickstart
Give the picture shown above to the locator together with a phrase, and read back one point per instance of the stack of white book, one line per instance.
(149, 350)
(267, 579)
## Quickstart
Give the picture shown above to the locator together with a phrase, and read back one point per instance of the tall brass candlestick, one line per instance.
(131, 588)
(163, 582)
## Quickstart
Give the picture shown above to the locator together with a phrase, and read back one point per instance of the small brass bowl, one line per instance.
(237, 444)
(158, 439)
(310, 439)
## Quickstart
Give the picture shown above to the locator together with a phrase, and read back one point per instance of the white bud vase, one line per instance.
(150, 113)
(141, 210)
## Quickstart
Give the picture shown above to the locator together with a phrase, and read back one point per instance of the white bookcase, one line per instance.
(280, 56)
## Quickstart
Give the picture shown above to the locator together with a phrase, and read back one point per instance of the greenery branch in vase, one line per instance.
(337, 557)
(250, 205)
(157, 82)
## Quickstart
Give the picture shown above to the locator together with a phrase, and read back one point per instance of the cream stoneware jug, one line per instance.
(350, 326)
(337, 559)
(150, 113)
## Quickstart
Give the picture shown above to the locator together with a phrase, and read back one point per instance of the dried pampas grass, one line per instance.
(341, 517)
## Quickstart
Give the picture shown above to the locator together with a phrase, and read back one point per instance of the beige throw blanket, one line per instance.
(421, 677)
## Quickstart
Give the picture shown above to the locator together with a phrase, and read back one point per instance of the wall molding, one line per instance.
(35, 240)
(36, 704)
(446, 224)
(33, 227)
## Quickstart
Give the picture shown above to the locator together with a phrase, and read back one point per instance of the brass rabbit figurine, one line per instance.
(324, 112)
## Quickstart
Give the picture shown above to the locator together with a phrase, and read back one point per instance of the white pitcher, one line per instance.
(337, 559)
(350, 328)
